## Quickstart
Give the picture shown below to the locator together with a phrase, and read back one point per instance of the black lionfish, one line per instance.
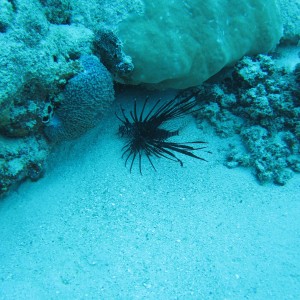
(146, 136)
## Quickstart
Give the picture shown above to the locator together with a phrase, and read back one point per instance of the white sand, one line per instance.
(91, 230)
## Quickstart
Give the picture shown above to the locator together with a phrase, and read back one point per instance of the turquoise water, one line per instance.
(77, 222)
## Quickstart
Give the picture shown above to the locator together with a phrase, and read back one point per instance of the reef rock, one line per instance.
(290, 12)
(20, 159)
(260, 102)
(179, 44)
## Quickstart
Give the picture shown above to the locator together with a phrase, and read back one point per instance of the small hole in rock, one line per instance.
(45, 119)
(74, 56)
(3, 28)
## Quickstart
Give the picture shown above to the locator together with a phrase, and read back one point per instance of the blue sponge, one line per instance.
(86, 97)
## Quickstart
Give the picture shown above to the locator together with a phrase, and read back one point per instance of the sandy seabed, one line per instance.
(90, 229)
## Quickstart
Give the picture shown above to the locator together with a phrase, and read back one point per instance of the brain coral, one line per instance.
(86, 97)
(180, 44)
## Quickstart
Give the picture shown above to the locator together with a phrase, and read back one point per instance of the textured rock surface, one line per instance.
(181, 44)
(260, 102)
(39, 72)
(290, 12)
(21, 159)
(41, 42)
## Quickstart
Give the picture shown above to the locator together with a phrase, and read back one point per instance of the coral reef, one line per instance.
(174, 44)
(6, 15)
(39, 74)
(42, 42)
(85, 99)
(57, 11)
(24, 117)
(21, 159)
(259, 101)
(290, 12)
(109, 48)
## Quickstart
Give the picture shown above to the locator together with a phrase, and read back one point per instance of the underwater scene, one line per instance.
(150, 149)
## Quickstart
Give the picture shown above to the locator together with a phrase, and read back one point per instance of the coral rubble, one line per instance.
(260, 102)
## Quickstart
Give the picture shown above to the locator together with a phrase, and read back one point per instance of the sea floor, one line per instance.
(90, 229)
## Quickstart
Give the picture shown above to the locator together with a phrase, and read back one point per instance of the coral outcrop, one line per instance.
(109, 48)
(180, 44)
(290, 11)
(260, 102)
(21, 159)
(57, 11)
(41, 43)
